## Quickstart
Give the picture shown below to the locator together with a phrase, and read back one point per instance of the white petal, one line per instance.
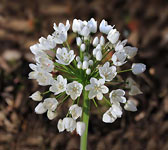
(80, 128)
(92, 94)
(40, 109)
(36, 96)
(99, 96)
(51, 115)
(60, 126)
(104, 89)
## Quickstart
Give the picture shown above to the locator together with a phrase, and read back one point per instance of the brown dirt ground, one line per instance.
(144, 23)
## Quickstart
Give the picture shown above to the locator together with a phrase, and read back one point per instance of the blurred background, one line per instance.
(143, 22)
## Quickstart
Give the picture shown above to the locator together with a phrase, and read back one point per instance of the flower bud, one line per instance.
(51, 114)
(90, 62)
(102, 41)
(69, 124)
(130, 106)
(88, 71)
(85, 65)
(98, 47)
(99, 55)
(40, 109)
(113, 36)
(36, 96)
(95, 41)
(79, 65)
(50, 103)
(93, 25)
(75, 111)
(78, 41)
(86, 58)
(94, 52)
(104, 27)
(138, 68)
(130, 51)
(60, 126)
(77, 58)
(80, 128)
(82, 47)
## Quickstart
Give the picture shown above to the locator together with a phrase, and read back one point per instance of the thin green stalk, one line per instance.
(124, 71)
(85, 119)
(68, 45)
(95, 103)
(46, 92)
(107, 101)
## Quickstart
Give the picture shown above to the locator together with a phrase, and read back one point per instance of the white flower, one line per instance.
(36, 96)
(64, 56)
(130, 106)
(95, 41)
(40, 108)
(92, 25)
(138, 68)
(134, 90)
(80, 127)
(45, 64)
(81, 27)
(104, 27)
(50, 104)
(113, 36)
(43, 78)
(119, 58)
(109, 116)
(130, 51)
(47, 44)
(119, 46)
(75, 111)
(60, 34)
(112, 113)
(37, 51)
(59, 85)
(107, 72)
(77, 25)
(74, 89)
(51, 114)
(84, 28)
(60, 125)
(96, 88)
(69, 124)
(85, 31)
(78, 41)
(117, 96)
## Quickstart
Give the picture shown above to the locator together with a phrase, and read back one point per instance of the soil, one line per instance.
(143, 23)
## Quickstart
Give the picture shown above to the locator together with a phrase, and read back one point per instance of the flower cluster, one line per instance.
(92, 68)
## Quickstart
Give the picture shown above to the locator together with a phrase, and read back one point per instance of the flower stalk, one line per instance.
(85, 119)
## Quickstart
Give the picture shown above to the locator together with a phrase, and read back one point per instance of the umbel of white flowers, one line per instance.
(93, 67)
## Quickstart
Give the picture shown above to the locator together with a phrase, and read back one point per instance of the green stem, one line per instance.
(124, 70)
(85, 119)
